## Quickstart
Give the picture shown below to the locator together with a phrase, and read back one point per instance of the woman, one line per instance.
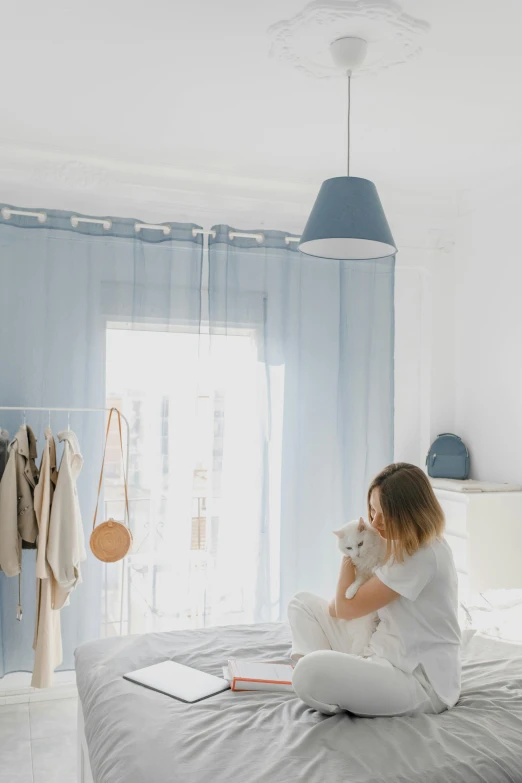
(412, 664)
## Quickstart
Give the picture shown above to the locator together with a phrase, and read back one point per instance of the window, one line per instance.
(195, 544)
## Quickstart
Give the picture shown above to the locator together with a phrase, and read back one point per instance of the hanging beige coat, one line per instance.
(4, 446)
(17, 518)
(65, 543)
(47, 642)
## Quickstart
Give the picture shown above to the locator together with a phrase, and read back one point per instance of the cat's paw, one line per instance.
(352, 590)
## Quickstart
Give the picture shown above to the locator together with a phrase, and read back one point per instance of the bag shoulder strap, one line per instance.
(113, 410)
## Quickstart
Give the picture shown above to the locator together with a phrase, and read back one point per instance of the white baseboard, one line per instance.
(16, 688)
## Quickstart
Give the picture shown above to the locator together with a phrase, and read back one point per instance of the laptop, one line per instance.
(178, 681)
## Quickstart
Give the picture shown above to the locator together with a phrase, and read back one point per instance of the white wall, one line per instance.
(458, 340)
(488, 336)
(424, 347)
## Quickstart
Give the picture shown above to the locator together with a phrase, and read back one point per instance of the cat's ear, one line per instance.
(362, 525)
(338, 533)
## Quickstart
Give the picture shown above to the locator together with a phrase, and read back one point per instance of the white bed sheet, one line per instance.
(135, 735)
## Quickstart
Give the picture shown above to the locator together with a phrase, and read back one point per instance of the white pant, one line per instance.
(330, 679)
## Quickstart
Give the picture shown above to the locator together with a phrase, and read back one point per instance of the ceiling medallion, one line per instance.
(303, 41)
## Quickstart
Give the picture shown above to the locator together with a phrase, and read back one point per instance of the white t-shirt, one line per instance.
(421, 626)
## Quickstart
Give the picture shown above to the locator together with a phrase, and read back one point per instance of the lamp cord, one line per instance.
(349, 111)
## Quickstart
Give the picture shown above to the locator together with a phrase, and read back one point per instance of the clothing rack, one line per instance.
(44, 409)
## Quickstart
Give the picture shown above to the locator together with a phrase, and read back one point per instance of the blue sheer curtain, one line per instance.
(62, 287)
(245, 450)
(323, 335)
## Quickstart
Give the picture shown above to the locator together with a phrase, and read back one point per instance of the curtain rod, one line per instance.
(6, 213)
(259, 237)
(107, 225)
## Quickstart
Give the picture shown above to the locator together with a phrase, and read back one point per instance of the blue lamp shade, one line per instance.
(347, 222)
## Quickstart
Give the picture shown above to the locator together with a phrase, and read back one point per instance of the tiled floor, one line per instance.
(38, 742)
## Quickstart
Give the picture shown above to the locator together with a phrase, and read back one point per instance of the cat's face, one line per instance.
(358, 541)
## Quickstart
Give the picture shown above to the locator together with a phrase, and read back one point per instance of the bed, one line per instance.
(129, 734)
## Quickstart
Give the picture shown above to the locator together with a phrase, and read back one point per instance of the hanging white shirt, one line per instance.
(421, 628)
(65, 544)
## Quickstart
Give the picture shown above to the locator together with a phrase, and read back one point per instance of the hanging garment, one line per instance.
(18, 526)
(47, 642)
(4, 445)
(65, 543)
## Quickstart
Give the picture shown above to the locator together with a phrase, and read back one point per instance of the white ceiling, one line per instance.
(184, 91)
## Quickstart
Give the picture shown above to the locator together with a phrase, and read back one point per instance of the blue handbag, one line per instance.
(448, 457)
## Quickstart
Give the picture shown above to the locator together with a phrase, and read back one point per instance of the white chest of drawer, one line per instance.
(484, 530)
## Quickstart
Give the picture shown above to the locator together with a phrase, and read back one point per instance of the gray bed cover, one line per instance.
(135, 735)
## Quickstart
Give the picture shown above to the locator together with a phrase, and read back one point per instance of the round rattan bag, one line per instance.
(111, 540)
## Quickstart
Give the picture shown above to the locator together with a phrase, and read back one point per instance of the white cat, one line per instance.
(366, 549)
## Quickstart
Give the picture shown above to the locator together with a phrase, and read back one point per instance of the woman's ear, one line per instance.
(361, 526)
(338, 533)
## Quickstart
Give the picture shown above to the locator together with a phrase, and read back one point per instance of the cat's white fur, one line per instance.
(366, 549)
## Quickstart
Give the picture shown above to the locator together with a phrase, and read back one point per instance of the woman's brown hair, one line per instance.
(411, 513)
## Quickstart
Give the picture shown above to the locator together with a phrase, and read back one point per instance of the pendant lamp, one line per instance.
(347, 220)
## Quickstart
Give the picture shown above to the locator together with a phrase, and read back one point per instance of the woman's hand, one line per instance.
(346, 578)
(346, 575)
